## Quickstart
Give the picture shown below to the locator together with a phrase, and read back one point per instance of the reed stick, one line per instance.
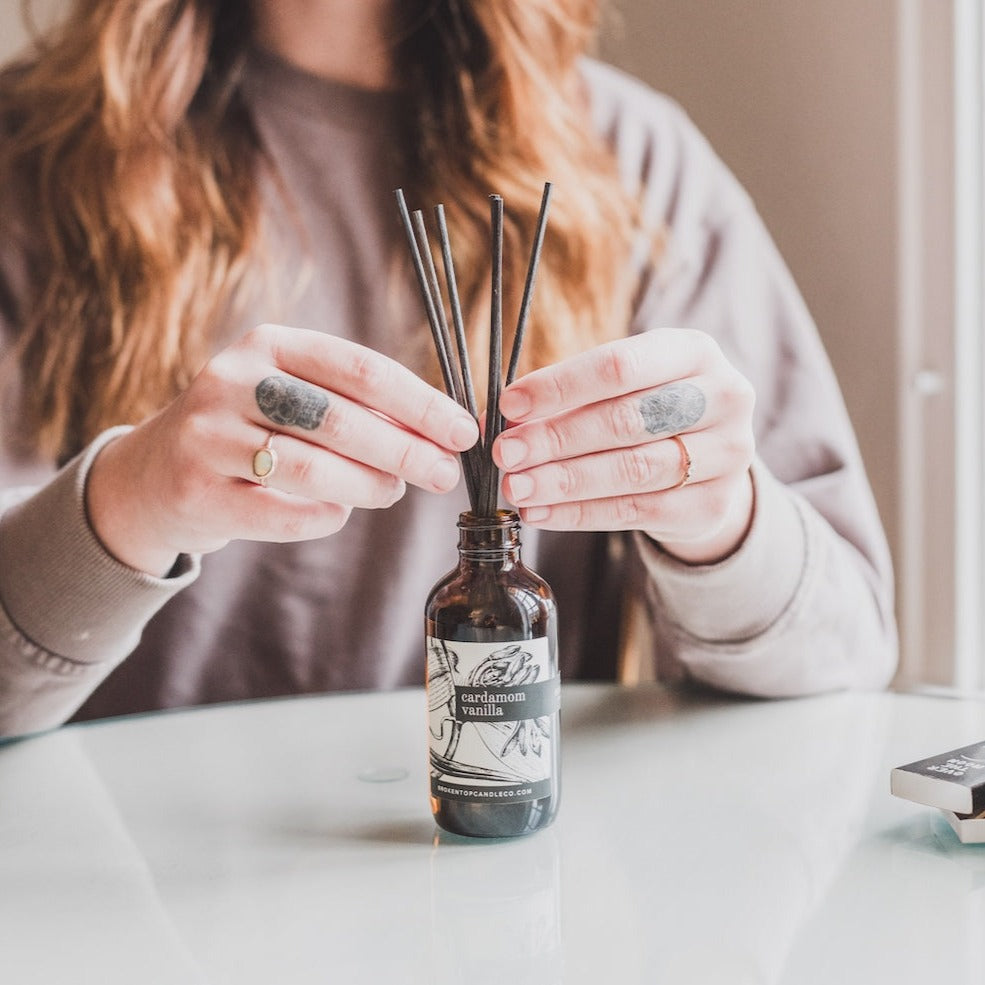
(442, 338)
(456, 311)
(472, 464)
(429, 300)
(488, 501)
(431, 304)
(528, 287)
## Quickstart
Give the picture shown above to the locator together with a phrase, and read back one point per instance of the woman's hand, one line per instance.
(591, 446)
(348, 428)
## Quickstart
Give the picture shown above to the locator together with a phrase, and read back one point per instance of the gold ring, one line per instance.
(685, 461)
(265, 460)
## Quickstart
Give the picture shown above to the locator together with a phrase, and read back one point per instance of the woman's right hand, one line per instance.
(350, 428)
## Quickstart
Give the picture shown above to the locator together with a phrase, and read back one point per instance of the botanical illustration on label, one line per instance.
(490, 708)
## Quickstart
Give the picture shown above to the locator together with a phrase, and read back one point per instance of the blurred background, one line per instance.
(857, 130)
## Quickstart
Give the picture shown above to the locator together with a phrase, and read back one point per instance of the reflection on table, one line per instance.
(700, 839)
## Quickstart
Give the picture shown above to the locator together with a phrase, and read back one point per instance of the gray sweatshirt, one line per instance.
(804, 605)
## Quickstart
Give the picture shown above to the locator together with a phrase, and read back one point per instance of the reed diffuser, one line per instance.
(493, 687)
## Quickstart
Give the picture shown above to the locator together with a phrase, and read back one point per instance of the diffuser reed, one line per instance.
(481, 474)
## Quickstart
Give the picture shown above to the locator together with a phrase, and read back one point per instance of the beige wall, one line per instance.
(799, 98)
(12, 32)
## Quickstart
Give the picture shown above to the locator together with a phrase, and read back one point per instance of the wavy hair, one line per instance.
(126, 129)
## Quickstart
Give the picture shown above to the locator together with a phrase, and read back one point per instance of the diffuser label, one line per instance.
(491, 708)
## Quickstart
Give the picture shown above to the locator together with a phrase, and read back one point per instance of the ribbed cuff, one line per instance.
(738, 598)
(59, 585)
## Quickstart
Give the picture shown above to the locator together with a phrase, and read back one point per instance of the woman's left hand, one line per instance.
(652, 433)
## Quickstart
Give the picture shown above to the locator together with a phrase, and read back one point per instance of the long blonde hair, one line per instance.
(126, 129)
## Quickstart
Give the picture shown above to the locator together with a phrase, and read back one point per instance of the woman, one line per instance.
(204, 509)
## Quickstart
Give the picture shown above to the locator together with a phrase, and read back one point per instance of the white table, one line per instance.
(285, 842)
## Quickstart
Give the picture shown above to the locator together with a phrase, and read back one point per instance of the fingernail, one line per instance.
(444, 475)
(512, 451)
(464, 433)
(514, 404)
(397, 493)
(521, 487)
(534, 514)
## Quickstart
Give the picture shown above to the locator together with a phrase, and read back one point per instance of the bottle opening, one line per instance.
(473, 521)
(495, 534)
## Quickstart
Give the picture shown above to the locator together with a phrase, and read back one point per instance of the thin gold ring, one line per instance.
(265, 460)
(685, 461)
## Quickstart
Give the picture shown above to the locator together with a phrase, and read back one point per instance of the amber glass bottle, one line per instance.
(493, 687)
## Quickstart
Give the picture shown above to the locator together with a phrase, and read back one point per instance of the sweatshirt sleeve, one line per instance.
(796, 610)
(806, 603)
(69, 611)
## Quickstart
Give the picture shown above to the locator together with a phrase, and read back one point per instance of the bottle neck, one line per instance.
(489, 539)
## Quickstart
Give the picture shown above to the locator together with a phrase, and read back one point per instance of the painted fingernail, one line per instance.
(512, 451)
(514, 404)
(444, 475)
(521, 487)
(464, 433)
(534, 514)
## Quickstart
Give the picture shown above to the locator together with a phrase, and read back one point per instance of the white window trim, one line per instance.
(941, 563)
